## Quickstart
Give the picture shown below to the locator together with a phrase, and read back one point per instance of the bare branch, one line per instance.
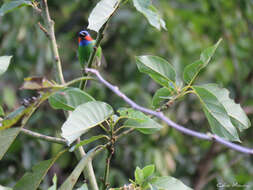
(50, 28)
(160, 115)
(43, 137)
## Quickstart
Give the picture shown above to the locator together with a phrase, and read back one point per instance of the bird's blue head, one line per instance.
(84, 38)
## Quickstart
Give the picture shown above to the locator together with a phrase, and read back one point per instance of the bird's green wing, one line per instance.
(84, 53)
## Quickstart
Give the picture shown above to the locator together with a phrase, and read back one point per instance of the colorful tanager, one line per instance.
(86, 45)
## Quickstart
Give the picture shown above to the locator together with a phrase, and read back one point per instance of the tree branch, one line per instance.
(160, 115)
(43, 137)
(50, 29)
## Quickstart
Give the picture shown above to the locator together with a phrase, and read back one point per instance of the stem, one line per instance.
(93, 54)
(50, 25)
(88, 171)
(77, 80)
(107, 168)
(110, 150)
(43, 137)
(160, 115)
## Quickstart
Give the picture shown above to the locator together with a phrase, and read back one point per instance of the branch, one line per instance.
(43, 137)
(50, 25)
(107, 167)
(160, 115)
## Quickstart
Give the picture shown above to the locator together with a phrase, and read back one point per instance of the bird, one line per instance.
(85, 48)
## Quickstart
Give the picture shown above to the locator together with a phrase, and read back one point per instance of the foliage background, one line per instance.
(192, 26)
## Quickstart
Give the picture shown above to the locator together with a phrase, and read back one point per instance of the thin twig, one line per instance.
(107, 167)
(43, 137)
(160, 115)
(78, 80)
(50, 28)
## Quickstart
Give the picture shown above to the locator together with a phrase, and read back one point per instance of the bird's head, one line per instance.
(84, 38)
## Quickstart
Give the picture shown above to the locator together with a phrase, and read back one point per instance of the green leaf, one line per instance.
(101, 13)
(1, 111)
(6, 138)
(207, 54)
(235, 111)
(157, 68)
(161, 95)
(4, 61)
(54, 186)
(83, 118)
(32, 180)
(5, 188)
(73, 177)
(83, 187)
(148, 171)
(12, 5)
(38, 83)
(86, 141)
(192, 70)
(216, 114)
(13, 118)
(150, 12)
(168, 183)
(138, 175)
(69, 98)
(139, 121)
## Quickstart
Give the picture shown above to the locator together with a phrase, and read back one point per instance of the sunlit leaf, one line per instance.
(139, 176)
(12, 5)
(6, 138)
(157, 68)
(31, 180)
(168, 183)
(216, 114)
(69, 98)
(4, 61)
(83, 118)
(150, 12)
(192, 70)
(5, 188)
(148, 171)
(101, 13)
(139, 121)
